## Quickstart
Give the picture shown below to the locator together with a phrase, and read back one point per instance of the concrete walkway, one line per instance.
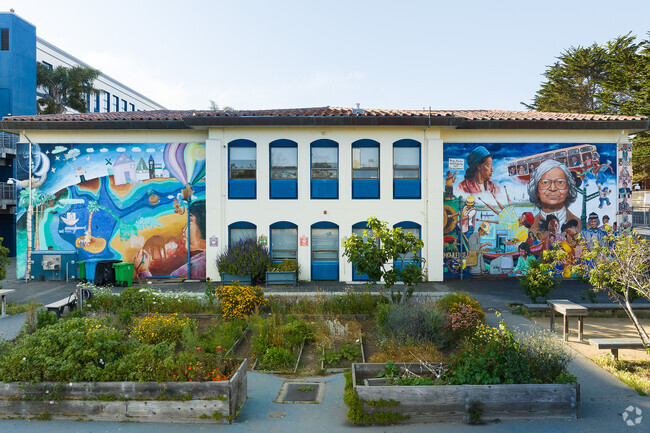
(604, 398)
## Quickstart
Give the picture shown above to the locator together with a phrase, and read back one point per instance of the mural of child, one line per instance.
(593, 233)
(552, 188)
(603, 193)
(550, 231)
(524, 260)
(170, 258)
(479, 173)
(570, 229)
(475, 245)
(605, 225)
(601, 178)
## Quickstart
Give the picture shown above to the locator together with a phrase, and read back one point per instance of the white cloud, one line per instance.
(151, 150)
(72, 201)
(90, 150)
(103, 150)
(59, 149)
(120, 149)
(136, 149)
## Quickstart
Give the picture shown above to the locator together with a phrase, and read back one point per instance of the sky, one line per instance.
(262, 54)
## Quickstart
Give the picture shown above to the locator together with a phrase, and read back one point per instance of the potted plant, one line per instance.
(243, 262)
(285, 272)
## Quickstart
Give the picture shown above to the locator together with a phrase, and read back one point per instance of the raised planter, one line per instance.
(246, 279)
(284, 277)
(174, 402)
(453, 402)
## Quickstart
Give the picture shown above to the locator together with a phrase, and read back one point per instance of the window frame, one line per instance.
(282, 225)
(240, 225)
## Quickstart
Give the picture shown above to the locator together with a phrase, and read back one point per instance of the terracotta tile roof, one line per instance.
(166, 115)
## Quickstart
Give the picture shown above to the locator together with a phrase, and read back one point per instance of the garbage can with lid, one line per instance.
(82, 270)
(123, 274)
(90, 265)
(104, 273)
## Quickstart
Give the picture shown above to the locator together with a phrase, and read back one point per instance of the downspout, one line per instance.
(425, 157)
(28, 264)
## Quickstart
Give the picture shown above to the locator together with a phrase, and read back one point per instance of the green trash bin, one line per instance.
(82, 270)
(123, 274)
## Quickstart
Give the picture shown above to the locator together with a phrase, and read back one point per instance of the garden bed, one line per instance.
(459, 402)
(180, 402)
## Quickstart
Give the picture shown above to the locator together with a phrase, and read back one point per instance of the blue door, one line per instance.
(325, 251)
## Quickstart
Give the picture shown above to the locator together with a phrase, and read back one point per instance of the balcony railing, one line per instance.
(7, 191)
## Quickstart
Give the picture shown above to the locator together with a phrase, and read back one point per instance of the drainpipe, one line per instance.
(28, 265)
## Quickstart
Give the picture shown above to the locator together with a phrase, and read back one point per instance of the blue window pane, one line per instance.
(284, 162)
(365, 157)
(325, 239)
(284, 244)
(324, 163)
(242, 162)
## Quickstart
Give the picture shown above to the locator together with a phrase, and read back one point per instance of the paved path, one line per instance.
(604, 398)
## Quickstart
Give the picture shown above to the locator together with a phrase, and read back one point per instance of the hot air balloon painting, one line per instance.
(186, 163)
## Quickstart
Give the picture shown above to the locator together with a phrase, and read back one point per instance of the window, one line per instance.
(124, 105)
(324, 169)
(241, 231)
(358, 229)
(49, 65)
(324, 251)
(365, 169)
(284, 169)
(4, 39)
(131, 107)
(242, 163)
(414, 229)
(406, 169)
(107, 101)
(116, 103)
(97, 103)
(284, 241)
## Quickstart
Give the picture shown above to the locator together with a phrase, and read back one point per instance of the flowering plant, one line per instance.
(240, 301)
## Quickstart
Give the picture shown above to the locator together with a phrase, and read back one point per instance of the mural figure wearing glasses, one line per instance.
(552, 188)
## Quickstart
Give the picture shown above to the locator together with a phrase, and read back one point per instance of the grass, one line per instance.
(13, 308)
(635, 374)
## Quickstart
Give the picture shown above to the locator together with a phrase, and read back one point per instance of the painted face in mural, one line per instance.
(552, 190)
(197, 242)
(485, 169)
(554, 226)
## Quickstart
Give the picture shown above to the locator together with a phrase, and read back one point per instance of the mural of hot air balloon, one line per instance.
(186, 163)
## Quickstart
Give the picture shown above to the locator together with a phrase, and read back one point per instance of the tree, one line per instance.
(215, 107)
(377, 252)
(65, 87)
(613, 78)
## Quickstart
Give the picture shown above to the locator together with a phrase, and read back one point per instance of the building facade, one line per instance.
(131, 186)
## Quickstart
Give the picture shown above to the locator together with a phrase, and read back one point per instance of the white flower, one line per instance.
(24, 359)
(51, 401)
(47, 391)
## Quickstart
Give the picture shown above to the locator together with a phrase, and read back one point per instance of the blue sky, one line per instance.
(284, 54)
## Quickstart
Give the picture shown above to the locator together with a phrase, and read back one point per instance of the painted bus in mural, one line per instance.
(505, 204)
(139, 203)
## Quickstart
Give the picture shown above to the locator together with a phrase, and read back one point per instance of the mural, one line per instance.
(137, 203)
(504, 204)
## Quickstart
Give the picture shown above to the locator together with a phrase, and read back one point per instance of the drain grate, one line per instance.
(301, 392)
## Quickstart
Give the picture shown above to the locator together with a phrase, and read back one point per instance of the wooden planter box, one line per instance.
(286, 277)
(246, 280)
(452, 402)
(172, 402)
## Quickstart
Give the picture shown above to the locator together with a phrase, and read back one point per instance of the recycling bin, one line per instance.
(123, 273)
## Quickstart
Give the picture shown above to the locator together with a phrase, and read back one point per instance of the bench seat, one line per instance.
(59, 306)
(614, 344)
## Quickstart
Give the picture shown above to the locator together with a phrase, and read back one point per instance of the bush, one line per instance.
(284, 266)
(449, 303)
(45, 318)
(277, 358)
(411, 322)
(463, 322)
(537, 282)
(492, 356)
(156, 328)
(547, 356)
(240, 301)
(245, 257)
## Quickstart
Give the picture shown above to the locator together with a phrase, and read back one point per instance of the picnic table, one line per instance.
(3, 294)
(568, 309)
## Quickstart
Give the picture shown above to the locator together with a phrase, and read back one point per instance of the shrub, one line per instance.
(411, 322)
(449, 303)
(284, 266)
(156, 328)
(245, 257)
(137, 299)
(463, 322)
(491, 356)
(277, 358)
(240, 301)
(547, 356)
(45, 318)
(537, 282)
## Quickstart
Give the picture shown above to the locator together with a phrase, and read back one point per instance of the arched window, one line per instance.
(325, 251)
(283, 161)
(284, 241)
(415, 230)
(324, 169)
(241, 231)
(242, 169)
(406, 169)
(365, 169)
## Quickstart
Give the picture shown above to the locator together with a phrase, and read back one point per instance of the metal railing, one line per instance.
(641, 216)
(8, 141)
(7, 191)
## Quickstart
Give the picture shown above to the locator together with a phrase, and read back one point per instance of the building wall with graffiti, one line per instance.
(137, 203)
(504, 204)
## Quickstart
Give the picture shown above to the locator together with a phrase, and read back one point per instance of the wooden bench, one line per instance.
(568, 309)
(615, 307)
(3, 294)
(537, 307)
(59, 306)
(614, 344)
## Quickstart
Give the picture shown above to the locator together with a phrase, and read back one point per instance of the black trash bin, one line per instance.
(104, 273)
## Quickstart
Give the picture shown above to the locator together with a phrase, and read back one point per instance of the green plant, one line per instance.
(547, 357)
(371, 254)
(157, 328)
(277, 358)
(390, 370)
(240, 301)
(357, 415)
(475, 412)
(538, 281)
(331, 357)
(125, 317)
(45, 318)
(411, 322)
(284, 266)
(245, 257)
(13, 308)
(449, 303)
(463, 322)
(306, 388)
